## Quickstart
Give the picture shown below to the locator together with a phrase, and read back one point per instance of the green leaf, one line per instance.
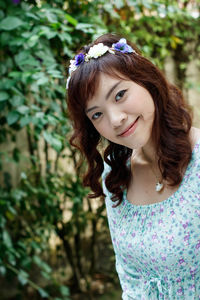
(42, 80)
(23, 277)
(6, 238)
(33, 16)
(55, 73)
(119, 3)
(25, 121)
(71, 20)
(38, 261)
(64, 290)
(44, 30)
(15, 74)
(25, 58)
(23, 175)
(16, 100)
(33, 41)
(10, 23)
(9, 216)
(2, 270)
(23, 109)
(54, 142)
(52, 18)
(4, 96)
(1, 14)
(12, 117)
(43, 293)
(85, 27)
(46, 275)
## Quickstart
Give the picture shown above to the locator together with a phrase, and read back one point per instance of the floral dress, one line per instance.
(157, 246)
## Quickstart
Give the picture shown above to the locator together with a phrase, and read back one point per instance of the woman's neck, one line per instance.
(146, 154)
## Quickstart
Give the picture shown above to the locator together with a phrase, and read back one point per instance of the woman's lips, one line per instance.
(130, 129)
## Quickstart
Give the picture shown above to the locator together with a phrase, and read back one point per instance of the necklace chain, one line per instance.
(159, 184)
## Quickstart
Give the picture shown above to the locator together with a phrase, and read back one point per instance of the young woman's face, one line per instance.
(122, 112)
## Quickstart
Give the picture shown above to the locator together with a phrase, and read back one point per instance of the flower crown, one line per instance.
(97, 51)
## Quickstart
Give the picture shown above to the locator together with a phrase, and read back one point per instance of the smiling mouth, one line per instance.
(130, 129)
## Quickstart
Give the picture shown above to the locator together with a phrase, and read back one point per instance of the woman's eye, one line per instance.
(96, 115)
(120, 95)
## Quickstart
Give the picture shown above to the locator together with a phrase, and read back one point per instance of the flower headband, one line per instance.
(97, 51)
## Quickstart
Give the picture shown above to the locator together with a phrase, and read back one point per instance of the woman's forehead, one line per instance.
(107, 82)
(106, 86)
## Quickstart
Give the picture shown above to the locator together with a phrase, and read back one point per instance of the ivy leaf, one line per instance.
(23, 277)
(38, 261)
(64, 290)
(25, 120)
(119, 4)
(10, 23)
(25, 58)
(23, 109)
(54, 142)
(4, 96)
(2, 270)
(16, 100)
(43, 293)
(71, 20)
(12, 117)
(6, 238)
(85, 27)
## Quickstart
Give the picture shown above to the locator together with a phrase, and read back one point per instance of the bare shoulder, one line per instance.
(194, 136)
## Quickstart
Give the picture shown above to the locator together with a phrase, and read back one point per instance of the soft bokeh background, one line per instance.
(54, 240)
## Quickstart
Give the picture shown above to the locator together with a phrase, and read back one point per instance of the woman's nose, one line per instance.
(117, 118)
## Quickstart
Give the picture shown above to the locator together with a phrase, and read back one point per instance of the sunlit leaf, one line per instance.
(23, 277)
(43, 293)
(71, 20)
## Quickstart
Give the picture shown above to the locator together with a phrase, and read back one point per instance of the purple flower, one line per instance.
(79, 58)
(16, 1)
(185, 225)
(198, 245)
(122, 46)
(181, 261)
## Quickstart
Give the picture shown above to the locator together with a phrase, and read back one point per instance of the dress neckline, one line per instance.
(170, 198)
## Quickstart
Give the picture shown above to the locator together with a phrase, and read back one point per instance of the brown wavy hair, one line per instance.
(170, 131)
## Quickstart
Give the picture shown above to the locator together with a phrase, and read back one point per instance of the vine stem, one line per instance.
(31, 283)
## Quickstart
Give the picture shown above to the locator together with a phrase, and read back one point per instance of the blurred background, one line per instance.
(54, 240)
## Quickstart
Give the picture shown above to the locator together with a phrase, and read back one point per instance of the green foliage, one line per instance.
(36, 45)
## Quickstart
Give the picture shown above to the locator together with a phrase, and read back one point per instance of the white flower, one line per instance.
(122, 41)
(96, 51)
(72, 66)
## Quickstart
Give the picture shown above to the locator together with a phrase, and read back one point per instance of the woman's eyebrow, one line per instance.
(107, 96)
(91, 108)
(112, 89)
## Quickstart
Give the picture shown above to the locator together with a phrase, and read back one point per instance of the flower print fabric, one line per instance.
(157, 246)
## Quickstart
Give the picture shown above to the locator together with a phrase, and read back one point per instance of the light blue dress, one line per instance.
(157, 246)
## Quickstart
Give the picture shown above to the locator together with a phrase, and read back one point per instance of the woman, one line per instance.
(151, 176)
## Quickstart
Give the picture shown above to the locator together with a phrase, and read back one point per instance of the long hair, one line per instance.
(171, 126)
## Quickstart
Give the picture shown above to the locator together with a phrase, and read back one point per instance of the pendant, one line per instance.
(159, 186)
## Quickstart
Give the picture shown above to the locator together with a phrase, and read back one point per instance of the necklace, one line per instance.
(159, 184)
